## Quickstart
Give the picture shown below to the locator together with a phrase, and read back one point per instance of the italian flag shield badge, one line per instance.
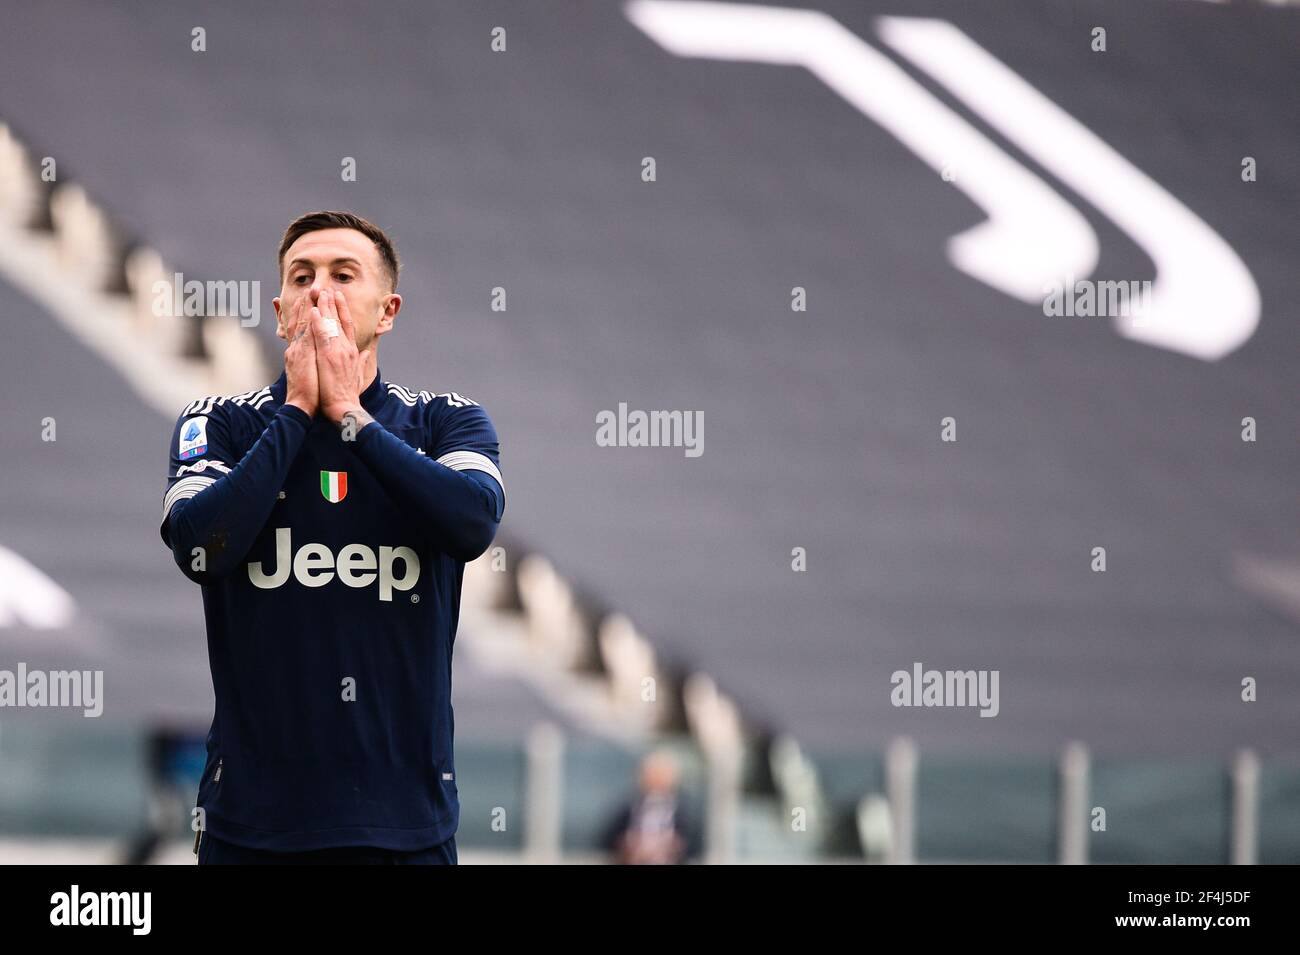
(334, 485)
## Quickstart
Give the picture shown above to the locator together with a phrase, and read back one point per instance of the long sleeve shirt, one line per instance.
(330, 566)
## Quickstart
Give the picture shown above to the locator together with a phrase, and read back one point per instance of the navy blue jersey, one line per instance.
(331, 567)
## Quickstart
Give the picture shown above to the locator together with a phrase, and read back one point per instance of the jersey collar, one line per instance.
(374, 394)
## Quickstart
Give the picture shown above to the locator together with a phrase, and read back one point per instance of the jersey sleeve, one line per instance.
(452, 494)
(463, 438)
(219, 496)
(201, 452)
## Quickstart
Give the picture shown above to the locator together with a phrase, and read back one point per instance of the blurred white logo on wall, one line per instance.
(29, 598)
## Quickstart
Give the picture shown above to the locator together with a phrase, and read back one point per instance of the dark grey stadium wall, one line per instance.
(84, 509)
(821, 429)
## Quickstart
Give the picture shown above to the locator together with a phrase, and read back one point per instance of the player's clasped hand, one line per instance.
(338, 362)
(302, 386)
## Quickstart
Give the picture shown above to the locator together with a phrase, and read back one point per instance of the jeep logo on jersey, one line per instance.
(356, 565)
(334, 485)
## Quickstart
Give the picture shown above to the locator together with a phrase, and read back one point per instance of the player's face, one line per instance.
(346, 262)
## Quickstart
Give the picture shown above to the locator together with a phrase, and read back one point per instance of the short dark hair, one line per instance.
(316, 221)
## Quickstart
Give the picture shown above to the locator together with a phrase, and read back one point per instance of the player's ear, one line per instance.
(279, 319)
(392, 305)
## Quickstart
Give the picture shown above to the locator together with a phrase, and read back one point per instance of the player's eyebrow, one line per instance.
(346, 260)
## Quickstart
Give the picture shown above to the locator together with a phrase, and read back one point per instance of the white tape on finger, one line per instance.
(331, 328)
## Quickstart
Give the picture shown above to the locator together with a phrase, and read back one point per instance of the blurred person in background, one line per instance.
(654, 827)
